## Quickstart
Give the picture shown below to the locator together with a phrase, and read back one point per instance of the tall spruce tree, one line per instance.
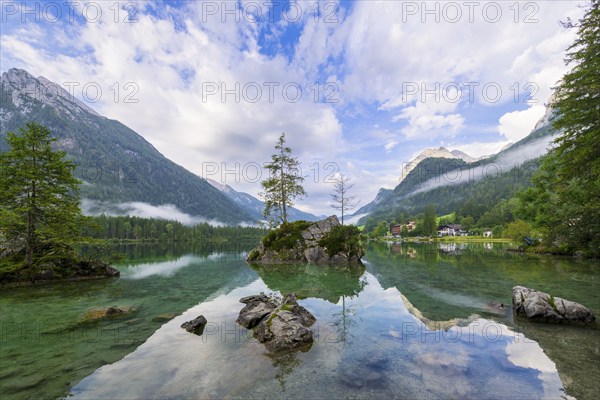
(429, 224)
(564, 202)
(578, 101)
(283, 186)
(39, 200)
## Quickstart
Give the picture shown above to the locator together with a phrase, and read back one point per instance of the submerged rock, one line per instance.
(195, 326)
(164, 317)
(542, 307)
(109, 312)
(281, 328)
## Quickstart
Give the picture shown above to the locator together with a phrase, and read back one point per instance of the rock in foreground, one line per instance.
(542, 307)
(322, 242)
(281, 328)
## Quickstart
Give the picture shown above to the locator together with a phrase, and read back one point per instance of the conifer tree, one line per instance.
(283, 186)
(564, 202)
(39, 200)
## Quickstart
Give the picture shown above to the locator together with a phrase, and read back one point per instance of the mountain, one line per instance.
(117, 166)
(438, 152)
(473, 188)
(255, 207)
(368, 208)
(545, 120)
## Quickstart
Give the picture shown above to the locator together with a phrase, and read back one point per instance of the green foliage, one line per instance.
(467, 222)
(518, 231)
(551, 302)
(578, 103)
(286, 236)
(284, 183)
(370, 224)
(429, 225)
(380, 230)
(498, 231)
(564, 203)
(39, 198)
(500, 214)
(342, 238)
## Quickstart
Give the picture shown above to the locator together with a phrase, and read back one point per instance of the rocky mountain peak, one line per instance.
(437, 152)
(21, 88)
(218, 185)
(545, 120)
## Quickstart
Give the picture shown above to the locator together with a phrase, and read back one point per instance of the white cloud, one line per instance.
(515, 125)
(171, 54)
(390, 145)
(479, 149)
(422, 122)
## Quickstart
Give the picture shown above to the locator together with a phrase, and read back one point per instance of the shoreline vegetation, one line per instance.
(538, 249)
(86, 261)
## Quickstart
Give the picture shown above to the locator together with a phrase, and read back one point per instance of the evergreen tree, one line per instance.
(564, 203)
(341, 198)
(39, 212)
(284, 183)
(578, 101)
(429, 224)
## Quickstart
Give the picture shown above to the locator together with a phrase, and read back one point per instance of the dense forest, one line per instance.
(126, 228)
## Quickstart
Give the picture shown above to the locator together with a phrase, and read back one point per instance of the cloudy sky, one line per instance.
(359, 87)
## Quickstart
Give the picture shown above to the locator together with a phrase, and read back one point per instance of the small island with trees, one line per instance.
(324, 242)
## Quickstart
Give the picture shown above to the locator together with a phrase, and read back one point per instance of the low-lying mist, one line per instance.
(145, 210)
(501, 165)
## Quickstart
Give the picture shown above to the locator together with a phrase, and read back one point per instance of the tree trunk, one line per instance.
(283, 198)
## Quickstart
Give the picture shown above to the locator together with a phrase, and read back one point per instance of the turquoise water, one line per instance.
(414, 322)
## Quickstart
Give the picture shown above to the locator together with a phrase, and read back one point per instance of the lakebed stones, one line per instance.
(542, 307)
(370, 373)
(195, 326)
(281, 326)
(108, 312)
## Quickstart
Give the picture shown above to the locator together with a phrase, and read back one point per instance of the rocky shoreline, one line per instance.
(61, 271)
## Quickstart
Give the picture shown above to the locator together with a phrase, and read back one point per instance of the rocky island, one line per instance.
(322, 242)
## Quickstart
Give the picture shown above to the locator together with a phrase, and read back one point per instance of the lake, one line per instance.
(416, 321)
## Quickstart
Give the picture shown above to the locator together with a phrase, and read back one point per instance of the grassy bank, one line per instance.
(471, 239)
